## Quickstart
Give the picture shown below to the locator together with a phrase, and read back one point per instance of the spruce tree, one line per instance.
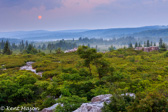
(154, 44)
(111, 48)
(27, 44)
(148, 44)
(130, 45)
(136, 44)
(96, 47)
(6, 49)
(88, 45)
(31, 49)
(163, 47)
(160, 43)
(44, 47)
(139, 45)
(151, 44)
(145, 44)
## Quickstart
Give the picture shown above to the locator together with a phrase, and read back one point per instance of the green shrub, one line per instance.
(151, 102)
(70, 103)
(48, 102)
(118, 103)
(50, 74)
(116, 76)
(166, 54)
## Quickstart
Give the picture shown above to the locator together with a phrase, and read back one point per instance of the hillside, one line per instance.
(152, 33)
(42, 35)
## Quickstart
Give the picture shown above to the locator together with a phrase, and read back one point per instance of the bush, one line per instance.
(70, 103)
(166, 54)
(48, 102)
(69, 70)
(116, 76)
(71, 77)
(118, 103)
(152, 102)
(139, 85)
(50, 74)
(84, 72)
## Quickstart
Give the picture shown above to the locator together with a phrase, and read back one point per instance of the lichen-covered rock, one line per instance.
(101, 98)
(95, 105)
(45, 110)
(50, 109)
(29, 67)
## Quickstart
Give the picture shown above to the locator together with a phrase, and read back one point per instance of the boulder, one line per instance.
(50, 109)
(101, 98)
(45, 110)
(95, 105)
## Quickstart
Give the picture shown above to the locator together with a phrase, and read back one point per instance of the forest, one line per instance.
(100, 44)
(79, 76)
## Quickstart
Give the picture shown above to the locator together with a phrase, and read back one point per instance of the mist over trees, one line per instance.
(101, 45)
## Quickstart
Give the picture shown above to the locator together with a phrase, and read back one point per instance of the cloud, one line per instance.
(29, 4)
(51, 4)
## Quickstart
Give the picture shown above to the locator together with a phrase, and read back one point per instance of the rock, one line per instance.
(29, 67)
(101, 98)
(88, 107)
(129, 94)
(50, 109)
(96, 104)
(45, 110)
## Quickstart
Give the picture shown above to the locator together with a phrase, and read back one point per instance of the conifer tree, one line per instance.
(89, 45)
(26, 46)
(96, 47)
(151, 44)
(6, 49)
(31, 49)
(139, 45)
(148, 44)
(111, 48)
(145, 44)
(160, 43)
(163, 47)
(43, 47)
(154, 44)
(130, 45)
(136, 44)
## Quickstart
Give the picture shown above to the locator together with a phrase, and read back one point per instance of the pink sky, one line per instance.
(81, 14)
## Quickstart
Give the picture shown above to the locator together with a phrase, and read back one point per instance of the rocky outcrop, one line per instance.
(51, 109)
(101, 98)
(29, 67)
(95, 105)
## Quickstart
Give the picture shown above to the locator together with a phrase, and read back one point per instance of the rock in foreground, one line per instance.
(50, 109)
(95, 105)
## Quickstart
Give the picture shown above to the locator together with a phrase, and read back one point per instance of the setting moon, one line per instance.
(39, 17)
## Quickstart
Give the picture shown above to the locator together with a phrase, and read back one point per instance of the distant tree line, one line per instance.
(24, 47)
(32, 48)
(119, 41)
(60, 45)
(148, 43)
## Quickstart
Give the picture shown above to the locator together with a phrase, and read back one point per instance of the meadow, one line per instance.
(78, 78)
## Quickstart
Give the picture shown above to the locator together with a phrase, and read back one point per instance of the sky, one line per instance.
(24, 15)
